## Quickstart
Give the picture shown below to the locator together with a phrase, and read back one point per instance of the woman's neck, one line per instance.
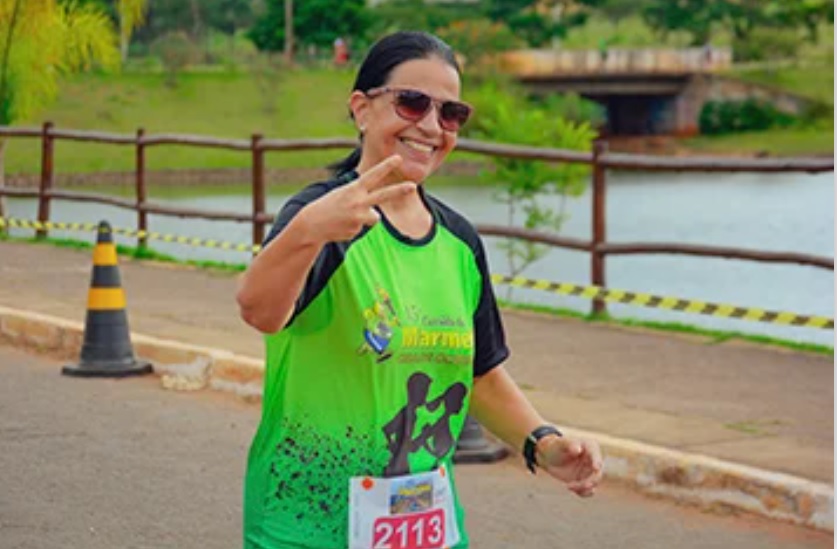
(409, 215)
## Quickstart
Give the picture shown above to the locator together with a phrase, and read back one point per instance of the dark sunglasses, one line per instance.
(413, 105)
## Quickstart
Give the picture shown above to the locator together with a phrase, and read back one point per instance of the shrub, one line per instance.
(176, 51)
(718, 117)
(479, 39)
(505, 115)
(767, 44)
(575, 108)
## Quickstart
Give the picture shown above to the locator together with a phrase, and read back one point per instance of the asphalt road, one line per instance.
(108, 464)
(744, 403)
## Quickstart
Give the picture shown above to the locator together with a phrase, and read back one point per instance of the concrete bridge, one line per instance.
(644, 91)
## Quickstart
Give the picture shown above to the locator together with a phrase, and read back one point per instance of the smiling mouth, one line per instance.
(421, 147)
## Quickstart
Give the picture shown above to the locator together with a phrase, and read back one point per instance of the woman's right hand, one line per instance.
(270, 286)
(342, 213)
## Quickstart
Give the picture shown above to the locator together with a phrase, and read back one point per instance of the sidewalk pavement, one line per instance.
(731, 424)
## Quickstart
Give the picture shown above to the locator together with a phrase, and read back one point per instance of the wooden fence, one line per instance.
(600, 159)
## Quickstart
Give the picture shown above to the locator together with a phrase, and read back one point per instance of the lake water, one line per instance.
(786, 212)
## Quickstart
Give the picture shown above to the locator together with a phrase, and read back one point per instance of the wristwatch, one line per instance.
(532, 440)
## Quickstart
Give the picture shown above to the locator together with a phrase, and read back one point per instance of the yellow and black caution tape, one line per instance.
(12, 222)
(562, 288)
(668, 303)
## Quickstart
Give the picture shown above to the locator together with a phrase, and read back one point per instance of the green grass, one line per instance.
(812, 78)
(715, 336)
(775, 142)
(719, 336)
(309, 103)
(754, 427)
(132, 252)
(812, 81)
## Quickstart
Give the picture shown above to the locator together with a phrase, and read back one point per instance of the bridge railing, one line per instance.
(615, 61)
(599, 159)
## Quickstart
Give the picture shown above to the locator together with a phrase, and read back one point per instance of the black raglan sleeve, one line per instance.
(329, 257)
(489, 337)
(490, 349)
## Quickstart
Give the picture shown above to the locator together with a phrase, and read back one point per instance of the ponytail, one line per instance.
(347, 164)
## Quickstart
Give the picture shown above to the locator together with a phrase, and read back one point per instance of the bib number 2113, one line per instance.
(412, 531)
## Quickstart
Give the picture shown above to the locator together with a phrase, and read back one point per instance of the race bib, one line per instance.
(407, 512)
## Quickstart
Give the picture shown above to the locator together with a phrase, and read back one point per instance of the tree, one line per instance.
(40, 41)
(176, 51)
(615, 11)
(194, 17)
(289, 31)
(228, 16)
(504, 114)
(808, 14)
(395, 15)
(128, 15)
(740, 17)
(478, 40)
(131, 15)
(694, 17)
(315, 23)
(538, 22)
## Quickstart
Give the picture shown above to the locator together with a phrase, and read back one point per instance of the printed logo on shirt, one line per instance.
(441, 339)
(380, 320)
(435, 438)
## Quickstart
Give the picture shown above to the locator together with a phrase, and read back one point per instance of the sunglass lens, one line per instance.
(413, 104)
(454, 115)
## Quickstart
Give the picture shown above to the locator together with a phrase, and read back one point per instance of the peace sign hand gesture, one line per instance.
(342, 213)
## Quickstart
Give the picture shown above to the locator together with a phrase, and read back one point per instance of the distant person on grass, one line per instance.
(382, 333)
(341, 52)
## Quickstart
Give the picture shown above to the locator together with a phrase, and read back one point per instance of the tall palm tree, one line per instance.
(131, 15)
(41, 40)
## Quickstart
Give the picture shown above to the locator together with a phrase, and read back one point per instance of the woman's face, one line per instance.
(423, 144)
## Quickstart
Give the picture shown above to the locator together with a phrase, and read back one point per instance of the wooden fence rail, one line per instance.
(599, 159)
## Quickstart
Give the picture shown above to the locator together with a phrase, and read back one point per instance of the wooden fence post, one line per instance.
(4, 230)
(47, 158)
(597, 266)
(142, 195)
(258, 188)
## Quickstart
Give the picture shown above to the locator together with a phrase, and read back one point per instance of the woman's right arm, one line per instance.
(268, 290)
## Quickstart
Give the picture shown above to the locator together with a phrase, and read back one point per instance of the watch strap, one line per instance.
(532, 440)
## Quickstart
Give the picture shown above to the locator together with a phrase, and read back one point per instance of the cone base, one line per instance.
(138, 368)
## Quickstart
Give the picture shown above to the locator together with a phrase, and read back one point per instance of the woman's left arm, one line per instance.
(501, 407)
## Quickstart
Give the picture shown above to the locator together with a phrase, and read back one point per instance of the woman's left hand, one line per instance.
(576, 462)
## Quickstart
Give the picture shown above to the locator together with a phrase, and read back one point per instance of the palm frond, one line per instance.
(88, 37)
(132, 15)
(31, 82)
(44, 41)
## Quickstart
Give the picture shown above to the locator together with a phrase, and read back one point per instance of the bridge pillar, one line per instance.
(688, 104)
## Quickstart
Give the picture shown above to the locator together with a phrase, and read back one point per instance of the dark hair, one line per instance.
(386, 54)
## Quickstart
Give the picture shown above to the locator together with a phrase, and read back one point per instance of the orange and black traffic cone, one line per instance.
(107, 350)
(473, 447)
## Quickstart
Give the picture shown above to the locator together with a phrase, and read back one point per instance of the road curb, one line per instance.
(693, 478)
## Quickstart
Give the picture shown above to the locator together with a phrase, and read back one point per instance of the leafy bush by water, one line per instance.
(719, 117)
